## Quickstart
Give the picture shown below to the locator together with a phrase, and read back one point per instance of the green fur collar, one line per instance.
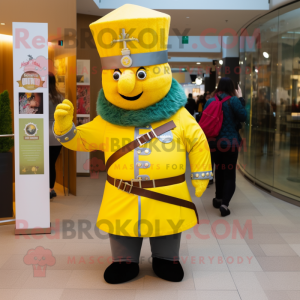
(161, 110)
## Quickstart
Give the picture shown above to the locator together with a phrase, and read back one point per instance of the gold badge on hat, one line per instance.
(126, 60)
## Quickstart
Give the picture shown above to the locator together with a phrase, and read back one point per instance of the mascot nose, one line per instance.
(126, 83)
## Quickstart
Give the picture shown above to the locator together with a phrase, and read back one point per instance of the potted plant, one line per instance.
(6, 161)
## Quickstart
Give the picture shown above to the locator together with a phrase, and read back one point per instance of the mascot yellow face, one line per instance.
(137, 88)
(132, 43)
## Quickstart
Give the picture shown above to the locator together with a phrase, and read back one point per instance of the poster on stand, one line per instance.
(31, 127)
(31, 143)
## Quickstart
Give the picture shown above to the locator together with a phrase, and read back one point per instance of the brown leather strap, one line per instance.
(137, 142)
(132, 189)
(147, 184)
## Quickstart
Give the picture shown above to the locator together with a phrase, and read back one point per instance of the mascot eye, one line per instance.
(116, 75)
(141, 74)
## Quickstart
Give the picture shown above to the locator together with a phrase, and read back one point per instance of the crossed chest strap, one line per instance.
(137, 186)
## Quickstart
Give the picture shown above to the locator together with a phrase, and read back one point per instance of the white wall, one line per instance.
(191, 4)
(277, 3)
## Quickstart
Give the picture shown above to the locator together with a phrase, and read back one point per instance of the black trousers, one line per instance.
(225, 173)
(53, 155)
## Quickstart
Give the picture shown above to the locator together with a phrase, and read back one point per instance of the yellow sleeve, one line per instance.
(199, 153)
(87, 137)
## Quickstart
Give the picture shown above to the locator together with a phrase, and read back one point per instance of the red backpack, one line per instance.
(212, 117)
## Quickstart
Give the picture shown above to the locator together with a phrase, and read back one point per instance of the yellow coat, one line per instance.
(130, 215)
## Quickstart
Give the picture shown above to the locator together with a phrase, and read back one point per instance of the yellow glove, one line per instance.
(63, 116)
(200, 186)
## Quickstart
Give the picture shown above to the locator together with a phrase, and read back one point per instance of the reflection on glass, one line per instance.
(270, 76)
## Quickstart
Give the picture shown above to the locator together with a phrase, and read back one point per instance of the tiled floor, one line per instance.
(219, 262)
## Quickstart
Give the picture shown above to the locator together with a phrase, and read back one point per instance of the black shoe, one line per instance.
(52, 194)
(224, 211)
(167, 269)
(217, 203)
(119, 272)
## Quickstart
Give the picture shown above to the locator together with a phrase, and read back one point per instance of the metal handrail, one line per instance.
(7, 221)
(6, 135)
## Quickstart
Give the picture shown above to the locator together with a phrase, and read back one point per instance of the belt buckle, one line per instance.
(125, 185)
(137, 180)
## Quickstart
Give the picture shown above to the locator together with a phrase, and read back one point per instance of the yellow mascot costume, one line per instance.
(145, 132)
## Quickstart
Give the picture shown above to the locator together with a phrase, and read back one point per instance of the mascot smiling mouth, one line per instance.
(132, 98)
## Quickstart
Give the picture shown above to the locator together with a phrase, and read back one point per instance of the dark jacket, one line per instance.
(191, 106)
(233, 113)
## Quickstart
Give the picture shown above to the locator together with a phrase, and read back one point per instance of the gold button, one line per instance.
(192, 176)
(197, 175)
(139, 151)
(139, 164)
(147, 126)
(207, 174)
(211, 174)
(58, 140)
(146, 165)
(66, 139)
(203, 175)
(139, 178)
(75, 130)
(147, 178)
(146, 151)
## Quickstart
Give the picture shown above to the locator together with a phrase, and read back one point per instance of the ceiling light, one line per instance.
(266, 55)
(187, 17)
(198, 81)
(198, 63)
(256, 70)
(2, 23)
(221, 62)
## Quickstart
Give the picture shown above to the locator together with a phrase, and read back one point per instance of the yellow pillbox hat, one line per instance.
(132, 36)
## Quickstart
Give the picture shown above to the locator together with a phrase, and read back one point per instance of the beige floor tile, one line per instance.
(92, 249)
(217, 295)
(15, 262)
(8, 294)
(93, 279)
(157, 295)
(54, 279)
(13, 278)
(152, 282)
(256, 250)
(277, 295)
(221, 281)
(38, 294)
(250, 295)
(285, 281)
(296, 248)
(265, 238)
(113, 294)
(3, 259)
(281, 228)
(291, 238)
(240, 258)
(278, 250)
(246, 281)
(293, 295)
(279, 264)
(186, 294)
(204, 258)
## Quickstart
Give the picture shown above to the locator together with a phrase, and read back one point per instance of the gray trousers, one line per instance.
(128, 249)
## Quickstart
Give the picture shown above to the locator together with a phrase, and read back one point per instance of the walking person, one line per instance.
(225, 146)
(55, 98)
(191, 104)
